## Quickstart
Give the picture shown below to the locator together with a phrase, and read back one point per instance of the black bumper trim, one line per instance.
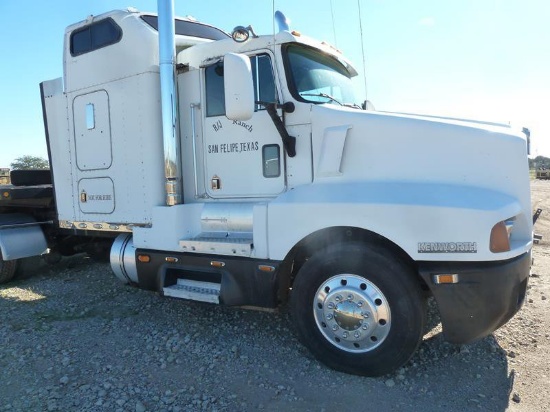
(486, 296)
(242, 282)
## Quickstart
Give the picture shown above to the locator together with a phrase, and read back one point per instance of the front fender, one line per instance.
(408, 214)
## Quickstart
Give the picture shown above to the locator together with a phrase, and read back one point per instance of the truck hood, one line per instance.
(355, 145)
(426, 184)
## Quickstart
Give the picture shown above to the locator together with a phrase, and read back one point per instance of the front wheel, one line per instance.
(358, 309)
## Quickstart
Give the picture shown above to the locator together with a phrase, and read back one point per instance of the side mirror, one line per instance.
(367, 105)
(238, 86)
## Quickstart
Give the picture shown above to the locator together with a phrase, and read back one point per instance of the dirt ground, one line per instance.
(526, 338)
(72, 337)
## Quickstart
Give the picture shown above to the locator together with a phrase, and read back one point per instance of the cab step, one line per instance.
(194, 290)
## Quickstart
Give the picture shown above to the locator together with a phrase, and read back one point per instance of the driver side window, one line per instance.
(264, 84)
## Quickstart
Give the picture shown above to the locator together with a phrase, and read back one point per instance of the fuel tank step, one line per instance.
(232, 246)
(194, 290)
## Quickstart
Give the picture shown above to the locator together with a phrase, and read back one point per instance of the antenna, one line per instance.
(362, 47)
(333, 27)
(275, 96)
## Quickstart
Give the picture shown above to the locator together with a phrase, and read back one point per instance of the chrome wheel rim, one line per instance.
(352, 313)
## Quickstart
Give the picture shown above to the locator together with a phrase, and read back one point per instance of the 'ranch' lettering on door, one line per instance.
(217, 125)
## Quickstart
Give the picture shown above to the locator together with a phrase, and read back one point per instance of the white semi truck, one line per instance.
(241, 170)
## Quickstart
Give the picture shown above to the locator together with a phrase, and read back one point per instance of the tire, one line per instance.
(7, 269)
(31, 177)
(358, 309)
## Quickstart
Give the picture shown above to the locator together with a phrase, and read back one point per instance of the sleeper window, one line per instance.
(95, 36)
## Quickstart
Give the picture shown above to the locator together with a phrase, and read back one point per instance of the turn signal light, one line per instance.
(500, 238)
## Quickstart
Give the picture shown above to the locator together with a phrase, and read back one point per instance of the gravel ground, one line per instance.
(74, 338)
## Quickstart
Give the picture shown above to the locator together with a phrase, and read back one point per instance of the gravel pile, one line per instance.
(74, 338)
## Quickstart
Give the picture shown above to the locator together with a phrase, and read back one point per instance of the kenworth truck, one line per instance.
(242, 170)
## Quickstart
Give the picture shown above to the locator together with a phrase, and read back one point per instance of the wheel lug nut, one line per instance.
(350, 297)
(360, 303)
(331, 305)
(365, 326)
(334, 327)
(338, 298)
(329, 316)
(345, 334)
(366, 315)
(357, 334)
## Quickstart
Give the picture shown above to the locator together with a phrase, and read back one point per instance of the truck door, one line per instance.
(243, 159)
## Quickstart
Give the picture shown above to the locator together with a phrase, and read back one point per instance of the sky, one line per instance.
(478, 59)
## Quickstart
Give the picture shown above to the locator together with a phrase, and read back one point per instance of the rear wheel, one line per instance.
(7, 269)
(359, 309)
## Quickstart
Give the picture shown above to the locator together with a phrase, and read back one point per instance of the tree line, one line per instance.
(29, 162)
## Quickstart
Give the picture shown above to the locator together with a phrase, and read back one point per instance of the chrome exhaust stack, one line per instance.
(169, 101)
(282, 22)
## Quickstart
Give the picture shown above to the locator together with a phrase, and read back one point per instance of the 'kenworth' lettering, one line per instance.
(447, 247)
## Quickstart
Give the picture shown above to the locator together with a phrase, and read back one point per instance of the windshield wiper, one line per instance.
(353, 105)
(326, 96)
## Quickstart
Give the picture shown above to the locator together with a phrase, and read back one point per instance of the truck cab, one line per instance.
(275, 184)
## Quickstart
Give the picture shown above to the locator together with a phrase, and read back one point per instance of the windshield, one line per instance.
(318, 77)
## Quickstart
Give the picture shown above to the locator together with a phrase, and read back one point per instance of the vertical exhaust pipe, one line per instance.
(168, 93)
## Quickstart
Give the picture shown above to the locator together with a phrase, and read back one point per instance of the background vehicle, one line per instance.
(543, 174)
(4, 176)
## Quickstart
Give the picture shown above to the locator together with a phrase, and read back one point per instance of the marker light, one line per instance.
(445, 278)
(144, 258)
(217, 264)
